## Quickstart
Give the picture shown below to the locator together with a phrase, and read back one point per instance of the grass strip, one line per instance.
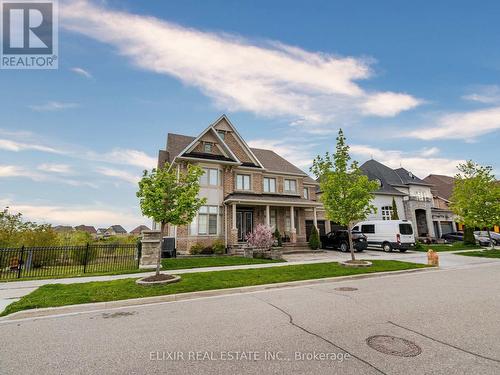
(54, 295)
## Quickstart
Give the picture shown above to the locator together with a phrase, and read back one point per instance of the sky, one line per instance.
(412, 84)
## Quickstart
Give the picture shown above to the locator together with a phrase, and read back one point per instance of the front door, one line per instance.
(244, 223)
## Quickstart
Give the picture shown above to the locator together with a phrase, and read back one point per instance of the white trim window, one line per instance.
(207, 222)
(387, 213)
(211, 177)
(243, 182)
(306, 193)
(269, 185)
(207, 147)
(290, 186)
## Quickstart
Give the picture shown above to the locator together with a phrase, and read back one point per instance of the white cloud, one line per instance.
(487, 94)
(299, 154)
(461, 125)
(269, 79)
(389, 104)
(131, 157)
(10, 145)
(97, 214)
(419, 163)
(55, 168)
(17, 171)
(82, 72)
(53, 106)
(120, 174)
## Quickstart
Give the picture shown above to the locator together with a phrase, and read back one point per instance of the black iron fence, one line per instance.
(26, 262)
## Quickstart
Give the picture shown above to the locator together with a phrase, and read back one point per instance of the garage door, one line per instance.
(446, 227)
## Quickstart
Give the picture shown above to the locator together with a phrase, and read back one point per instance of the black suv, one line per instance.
(339, 240)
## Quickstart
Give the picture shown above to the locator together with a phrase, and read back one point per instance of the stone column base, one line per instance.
(149, 253)
(293, 236)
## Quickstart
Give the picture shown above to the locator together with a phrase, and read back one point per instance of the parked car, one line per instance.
(339, 239)
(388, 234)
(482, 240)
(495, 237)
(453, 236)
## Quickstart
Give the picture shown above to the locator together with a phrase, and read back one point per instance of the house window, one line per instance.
(211, 176)
(208, 220)
(306, 193)
(207, 147)
(290, 186)
(221, 134)
(387, 213)
(272, 218)
(269, 185)
(243, 182)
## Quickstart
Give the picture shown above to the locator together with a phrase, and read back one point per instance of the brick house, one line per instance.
(244, 187)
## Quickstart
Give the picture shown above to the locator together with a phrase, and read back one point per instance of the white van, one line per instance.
(388, 234)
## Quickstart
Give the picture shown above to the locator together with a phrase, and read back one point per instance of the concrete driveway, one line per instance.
(448, 317)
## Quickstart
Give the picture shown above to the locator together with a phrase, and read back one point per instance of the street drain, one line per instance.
(393, 346)
(346, 289)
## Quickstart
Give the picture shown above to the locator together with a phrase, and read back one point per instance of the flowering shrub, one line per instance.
(262, 236)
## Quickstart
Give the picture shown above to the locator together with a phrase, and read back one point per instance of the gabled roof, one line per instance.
(117, 229)
(86, 228)
(388, 177)
(442, 186)
(409, 178)
(267, 159)
(139, 229)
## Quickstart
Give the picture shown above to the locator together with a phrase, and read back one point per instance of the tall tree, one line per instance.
(394, 213)
(346, 192)
(169, 195)
(476, 196)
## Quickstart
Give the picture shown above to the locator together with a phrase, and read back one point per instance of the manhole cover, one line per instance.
(346, 289)
(393, 346)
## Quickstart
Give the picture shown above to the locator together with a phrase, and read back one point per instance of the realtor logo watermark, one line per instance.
(29, 34)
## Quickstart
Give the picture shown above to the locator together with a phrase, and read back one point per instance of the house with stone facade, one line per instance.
(412, 195)
(243, 186)
(443, 218)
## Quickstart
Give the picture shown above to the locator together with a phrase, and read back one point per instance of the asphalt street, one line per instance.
(450, 319)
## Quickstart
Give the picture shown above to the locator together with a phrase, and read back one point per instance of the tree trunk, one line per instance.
(158, 261)
(351, 245)
(491, 241)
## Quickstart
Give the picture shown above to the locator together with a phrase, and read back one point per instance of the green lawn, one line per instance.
(483, 254)
(183, 263)
(167, 264)
(71, 294)
(447, 247)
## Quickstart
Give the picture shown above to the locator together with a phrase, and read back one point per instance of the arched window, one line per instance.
(387, 213)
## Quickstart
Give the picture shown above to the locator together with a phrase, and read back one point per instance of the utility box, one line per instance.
(168, 248)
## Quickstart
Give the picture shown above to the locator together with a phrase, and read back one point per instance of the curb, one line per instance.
(97, 306)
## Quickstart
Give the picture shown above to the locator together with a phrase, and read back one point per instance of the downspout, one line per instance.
(225, 225)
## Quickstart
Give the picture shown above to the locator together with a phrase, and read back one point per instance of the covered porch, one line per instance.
(288, 216)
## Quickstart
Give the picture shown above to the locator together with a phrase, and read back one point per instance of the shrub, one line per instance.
(207, 250)
(314, 239)
(469, 238)
(262, 236)
(81, 255)
(277, 237)
(418, 245)
(195, 249)
(218, 247)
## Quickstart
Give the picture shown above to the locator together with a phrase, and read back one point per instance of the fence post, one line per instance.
(139, 252)
(20, 265)
(86, 258)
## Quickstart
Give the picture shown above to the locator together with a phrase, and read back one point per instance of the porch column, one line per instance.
(234, 229)
(293, 231)
(315, 218)
(268, 216)
(234, 216)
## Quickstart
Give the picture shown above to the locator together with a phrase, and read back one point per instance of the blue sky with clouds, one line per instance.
(412, 84)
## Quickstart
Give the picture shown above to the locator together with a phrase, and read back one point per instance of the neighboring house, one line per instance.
(87, 228)
(137, 231)
(412, 195)
(444, 220)
(63, 229)
(244, 187)
(101, 232)
(115, 230)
